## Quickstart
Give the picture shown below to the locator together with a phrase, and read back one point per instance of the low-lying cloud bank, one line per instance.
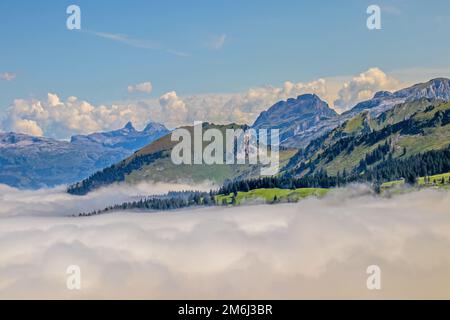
(56, 202)
(313, 249)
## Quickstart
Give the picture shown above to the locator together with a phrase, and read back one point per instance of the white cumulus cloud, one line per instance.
(363, 87)
(28, 127)
(145, 87)
(174, 107)
(59, 118)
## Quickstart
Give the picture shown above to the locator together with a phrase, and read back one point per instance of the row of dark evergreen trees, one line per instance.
(379, 154)
(420, 165)
(114, 173)
(171, 201)
(285, 181)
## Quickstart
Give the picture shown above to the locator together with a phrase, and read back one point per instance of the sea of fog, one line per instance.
(317, 248)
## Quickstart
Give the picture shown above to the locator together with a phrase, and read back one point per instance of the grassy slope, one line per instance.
(163, 170)
(432, 181)
(356, 124)
(287, 195)
(268, 195)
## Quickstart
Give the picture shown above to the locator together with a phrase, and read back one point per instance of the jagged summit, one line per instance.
(129, 126)
(294, 115)
(154, 126)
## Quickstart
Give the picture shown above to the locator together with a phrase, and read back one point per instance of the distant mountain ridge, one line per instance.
(298, 130)
(37, 162)
(438, 89)
(128, 137)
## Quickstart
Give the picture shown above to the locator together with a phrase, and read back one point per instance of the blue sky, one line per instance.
(200, 46)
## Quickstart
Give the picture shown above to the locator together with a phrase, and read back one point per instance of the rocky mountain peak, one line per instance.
(129, 126)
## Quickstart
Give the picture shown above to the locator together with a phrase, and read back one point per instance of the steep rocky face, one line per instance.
(295, 115)
(434, 89)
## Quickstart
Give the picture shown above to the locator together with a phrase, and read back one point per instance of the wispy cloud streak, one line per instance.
(136, 43)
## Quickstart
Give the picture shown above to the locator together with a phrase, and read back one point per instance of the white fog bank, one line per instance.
(313, 249)
(56, 202)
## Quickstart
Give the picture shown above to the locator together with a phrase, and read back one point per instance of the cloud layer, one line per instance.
(60, 118)
(363, 87)
(314, 249)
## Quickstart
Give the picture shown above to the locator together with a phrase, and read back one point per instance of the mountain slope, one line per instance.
(299, 132)
(34, 162)
(365, 141)
(153, 163)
